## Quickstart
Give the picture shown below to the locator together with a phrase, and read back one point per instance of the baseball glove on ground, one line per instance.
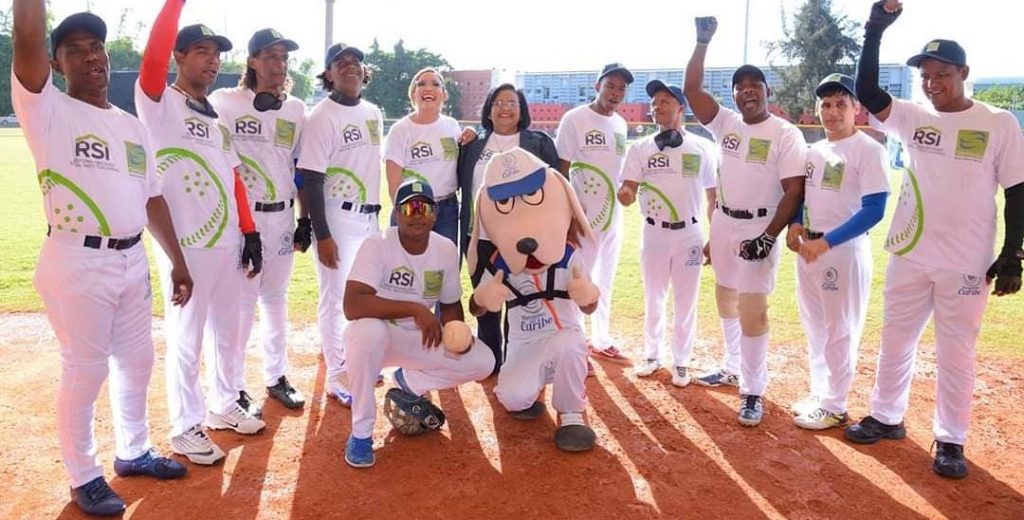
(410, 414)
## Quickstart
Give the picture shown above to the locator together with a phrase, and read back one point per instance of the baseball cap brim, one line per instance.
(656, 85)
(289, 45)
(223, 44)
(413, 196)
(835, 81)
(746, 71)
(335, 54)
(916, 60)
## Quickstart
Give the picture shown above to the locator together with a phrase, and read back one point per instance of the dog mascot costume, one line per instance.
(528, 211)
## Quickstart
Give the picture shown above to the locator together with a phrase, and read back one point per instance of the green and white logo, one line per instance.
(284, 133)
(345, 185)
(832, 177)
(691, 164)
(596, 192)
(67, 200)
(656, 205)
(971, 144)
(373, 127)
(758, 149)
(908, 221)
(197, 178)
(135, 155)
(620, 144)
(450, 147)
(225, 138)
(252, 174)
(432, 283)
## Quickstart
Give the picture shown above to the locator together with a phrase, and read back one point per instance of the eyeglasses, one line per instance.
(416, 207)
(506, 104)
(199, 106)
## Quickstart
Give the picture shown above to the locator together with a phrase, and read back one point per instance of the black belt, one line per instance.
(670, 225)
(360, 208)
(814, 235)
(274, 207)
(96, 242)
(744, 214)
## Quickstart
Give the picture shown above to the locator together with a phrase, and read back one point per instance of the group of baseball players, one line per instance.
(216, 178)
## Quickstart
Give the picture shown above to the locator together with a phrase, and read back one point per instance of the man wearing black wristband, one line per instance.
(942, 236)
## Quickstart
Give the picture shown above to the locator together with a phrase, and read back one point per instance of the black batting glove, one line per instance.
(880, 19)
(1006, 271)
(252, 253)
(758, 248)
(303, 235)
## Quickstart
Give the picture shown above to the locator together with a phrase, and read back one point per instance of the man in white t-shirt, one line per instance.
(207, 198)
(760, 186)
(941, 237)
(591, 143)
(396, 280)
(265, 124)
(339, 161)
(672, 172)
(844, 197)
(95, 168)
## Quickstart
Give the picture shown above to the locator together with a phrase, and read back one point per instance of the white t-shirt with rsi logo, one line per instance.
(429, 152)
(755, 158)
(595, 146)
(196, 162)
(95, 166)
(673, 180)
(343, 142)
(428, 278)
(839, 174)
(946, 212)
(265, 141)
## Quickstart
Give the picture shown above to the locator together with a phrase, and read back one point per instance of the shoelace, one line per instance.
(198, 433)
(681, 371)
(99, 491)
(750, 401)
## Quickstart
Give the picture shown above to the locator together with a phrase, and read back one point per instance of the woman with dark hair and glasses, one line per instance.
(505, 119)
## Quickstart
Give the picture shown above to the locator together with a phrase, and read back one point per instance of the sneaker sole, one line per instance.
(357, 465)
(218, 424)
(818, 426)
(626, 362)
(202, 459)
(287, 403)
(681, 383)
(749, 422)
(646, 373)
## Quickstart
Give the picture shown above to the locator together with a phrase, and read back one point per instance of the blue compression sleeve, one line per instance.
(799, 217)
(872, 209)
(299, 180)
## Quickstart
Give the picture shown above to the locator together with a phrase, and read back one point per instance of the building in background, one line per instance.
(473, 86)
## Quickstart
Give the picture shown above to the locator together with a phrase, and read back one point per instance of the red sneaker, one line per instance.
(611, 354)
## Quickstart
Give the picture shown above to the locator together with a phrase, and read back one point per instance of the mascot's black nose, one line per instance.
(526, 246)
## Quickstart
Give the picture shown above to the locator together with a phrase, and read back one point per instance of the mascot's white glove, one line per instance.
(581, 290)
(456, 337)
(492, 294)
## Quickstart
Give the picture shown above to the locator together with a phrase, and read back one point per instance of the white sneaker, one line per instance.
(338, 389)
(647, 367)
(821, 419)
(238, 418)
(680, 376)
(805, 405)
(196, 446)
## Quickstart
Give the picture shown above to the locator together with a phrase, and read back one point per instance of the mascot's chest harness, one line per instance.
(549, 292)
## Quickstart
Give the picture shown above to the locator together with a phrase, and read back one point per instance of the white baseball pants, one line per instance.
(559, 358)
(671, 258)
(603, 258)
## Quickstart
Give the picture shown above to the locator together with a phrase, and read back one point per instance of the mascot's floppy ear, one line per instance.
(474, 237)
(577, 209)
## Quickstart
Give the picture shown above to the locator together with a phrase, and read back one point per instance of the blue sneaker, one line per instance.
(151, 464)
(359, 452)
(96, 498)
(400, 381)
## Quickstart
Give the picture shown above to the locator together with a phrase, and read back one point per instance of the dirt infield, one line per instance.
(662, 451)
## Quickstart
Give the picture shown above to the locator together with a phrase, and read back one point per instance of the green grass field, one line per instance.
(23, 228)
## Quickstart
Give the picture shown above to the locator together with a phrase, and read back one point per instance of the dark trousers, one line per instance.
(490, 325)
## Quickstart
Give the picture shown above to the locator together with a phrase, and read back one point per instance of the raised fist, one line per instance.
(883, 14)
(706, 27)
(492, 294)
(581, 290)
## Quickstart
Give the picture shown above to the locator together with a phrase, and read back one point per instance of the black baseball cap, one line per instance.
(833, 81)
(87, 22)
(414, 189)
(748, 71)
(337, 50)
(193, 34)
(656, 84)
(264, 38)
(947, 51)
(616, 68)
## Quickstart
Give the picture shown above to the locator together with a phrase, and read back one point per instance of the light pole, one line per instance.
(328, 24)
(746, 31)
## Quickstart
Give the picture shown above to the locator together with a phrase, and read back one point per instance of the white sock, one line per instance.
(731, 332)
(754, 364)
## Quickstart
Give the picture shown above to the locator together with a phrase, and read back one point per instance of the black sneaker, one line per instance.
(286, 394)
(96, 498)
(248, 404)
(869, 431)
(949, 460)
(751, 410)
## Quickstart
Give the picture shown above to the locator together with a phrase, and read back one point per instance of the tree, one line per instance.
(123, 55)
(392, 71)
(1007, 97)
(816, 42)
(302, 79)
